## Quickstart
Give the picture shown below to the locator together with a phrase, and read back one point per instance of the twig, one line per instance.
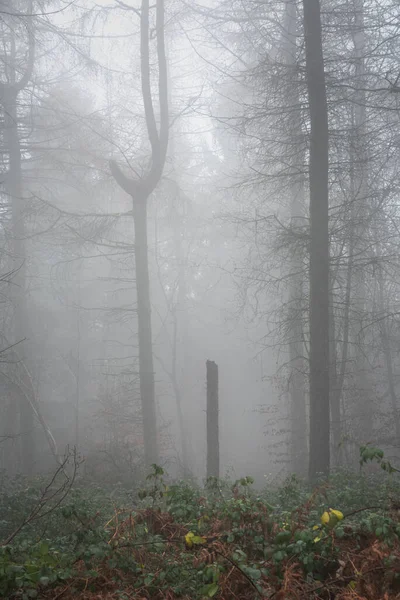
(234, 564)
(45, 498)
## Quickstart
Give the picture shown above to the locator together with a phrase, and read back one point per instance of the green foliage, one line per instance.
(185, 540)
(370, 453)
(25, 568)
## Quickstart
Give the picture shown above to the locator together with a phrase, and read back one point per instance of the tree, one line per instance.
(140, 190)
(319, 243)
(298, 416)
(18, 60)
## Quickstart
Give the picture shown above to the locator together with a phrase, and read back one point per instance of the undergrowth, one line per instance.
(340, 539)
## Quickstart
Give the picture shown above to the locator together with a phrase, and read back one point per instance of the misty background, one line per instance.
(228, 233)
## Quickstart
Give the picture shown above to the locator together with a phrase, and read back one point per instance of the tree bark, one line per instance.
(363, 407)
(319, 458)
(212, 420)
(387, 352)
(9, 99)
(146, 365)
(298, 417)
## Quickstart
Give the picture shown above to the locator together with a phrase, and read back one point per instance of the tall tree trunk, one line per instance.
(337, 376)
(78, 362)
(298, 417)
(387, 353)
(15, 193)
(363, 406)
(387, 348)
(140, 191)
(212, 420)
(319, 243)
(177, 211)
(335, 391)
(179, 330)
(17, 81)
(146, 366)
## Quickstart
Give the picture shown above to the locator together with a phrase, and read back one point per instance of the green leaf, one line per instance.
(44, 548)
(280, 555)
(282, 537)
(209, 590)
(253, 573)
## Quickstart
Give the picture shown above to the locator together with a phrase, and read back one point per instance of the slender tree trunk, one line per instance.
(212, 420)
(140, 191)
(178, 342)
(387, 354)
(335, 393)
(179, 309)
(14, 190)
(319, 244)
(146, 366)
(363, 407)
(298, 417)
(337, 377)
(78, 364)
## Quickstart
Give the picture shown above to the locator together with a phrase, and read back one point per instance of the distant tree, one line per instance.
(140, 189)
(18, 43)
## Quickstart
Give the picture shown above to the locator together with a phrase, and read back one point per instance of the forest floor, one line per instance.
(340, 539)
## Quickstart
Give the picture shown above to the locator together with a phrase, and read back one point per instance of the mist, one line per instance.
(192, 182)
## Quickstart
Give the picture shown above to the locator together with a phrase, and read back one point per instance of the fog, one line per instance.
(160, 166)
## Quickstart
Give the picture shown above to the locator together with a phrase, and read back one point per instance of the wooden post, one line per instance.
(212, 420)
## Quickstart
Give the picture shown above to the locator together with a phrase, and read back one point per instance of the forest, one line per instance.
(200, 299)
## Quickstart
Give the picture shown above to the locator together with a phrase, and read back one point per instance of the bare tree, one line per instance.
(18, 67)
(140, 190)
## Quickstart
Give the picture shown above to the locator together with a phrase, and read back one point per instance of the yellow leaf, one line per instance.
(194, 540)
(331, 517)
(339, 515)
(189, 539)
(198, 540)
(316, 527)
(325, 518)
(317, 539)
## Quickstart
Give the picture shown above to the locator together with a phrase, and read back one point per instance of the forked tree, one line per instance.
(140, 188)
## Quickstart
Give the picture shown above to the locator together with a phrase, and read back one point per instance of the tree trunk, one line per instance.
(14, 190)
(319, 244)
(140, 191)
(146, 366)
(179, 323)
(387, 353)
(212, 420)
(337, 378)
(298, 418)
(177, 211)
(335, 392)
(363, 406)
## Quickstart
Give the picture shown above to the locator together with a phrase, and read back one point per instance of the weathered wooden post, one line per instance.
(212, 420)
